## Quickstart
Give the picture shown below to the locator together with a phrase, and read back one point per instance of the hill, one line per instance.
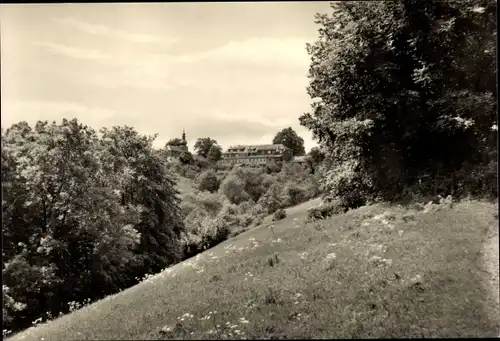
(184, 185)
(378, 271)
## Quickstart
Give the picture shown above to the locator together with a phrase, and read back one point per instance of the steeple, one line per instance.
(184, 135)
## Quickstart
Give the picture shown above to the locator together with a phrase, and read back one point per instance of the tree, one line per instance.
(186, 158)
(176, 142)
(314, 158)
(234, 189)
(203, 145)
(65, 233)
(398, 91)
(82, 216)
(208, 181)
(152, 187)
(215, 152)
(289, 138)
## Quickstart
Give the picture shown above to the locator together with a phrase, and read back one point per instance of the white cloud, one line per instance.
(137, 69)
(32, 111)
(263, 50)
(102, 30)
(253, 50)
(75, 52)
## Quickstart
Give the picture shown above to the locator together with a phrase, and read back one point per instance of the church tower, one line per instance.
(184, 135)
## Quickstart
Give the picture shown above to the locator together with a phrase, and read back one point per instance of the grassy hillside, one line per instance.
(374, 272)
(185, 185)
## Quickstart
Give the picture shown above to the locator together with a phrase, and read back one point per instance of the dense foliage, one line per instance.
(203, 146)
(404, 89)
(83, 216)
(289, 138)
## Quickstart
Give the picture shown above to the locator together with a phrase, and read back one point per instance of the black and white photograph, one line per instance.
(249, 170)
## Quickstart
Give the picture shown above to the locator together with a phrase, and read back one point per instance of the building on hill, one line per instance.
(174, 152)
(258, 155)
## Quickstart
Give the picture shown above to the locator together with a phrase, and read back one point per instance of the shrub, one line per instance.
(274, 167)
(279, 215)
(246, 207)
(273, 259)
(294, 194)
(208, 181)
(245, 220)
(258, 220)
(272, 199)
(257, 210)
(234, 189)
(200, 162)
(325, 210)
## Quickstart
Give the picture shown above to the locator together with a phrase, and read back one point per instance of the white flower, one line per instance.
(243, 320)
(478, 9)
(331, 255)
(167, 328)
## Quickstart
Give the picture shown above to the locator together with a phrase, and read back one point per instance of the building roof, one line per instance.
(248, 148)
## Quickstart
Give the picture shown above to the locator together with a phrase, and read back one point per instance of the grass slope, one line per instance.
(378, 271)
(184, 185)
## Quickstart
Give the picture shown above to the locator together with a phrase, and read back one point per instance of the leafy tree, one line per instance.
(289, 138)
(234, 189)
(65, 233)
(314, 158)
(176, 142)
(273, 199)
(186, 158)
(152, 187)
(316, 155)
(208, 181)
(203, 145)
(81, 215)
(401, 89)
(215, 152)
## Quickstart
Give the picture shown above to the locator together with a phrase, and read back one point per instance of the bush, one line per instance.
(208, 181)
(200, 162)
(272, 200)
(274, 167)
(325, 210)
(294, 194)
(279, 215)
(234, 189)
(246, 207)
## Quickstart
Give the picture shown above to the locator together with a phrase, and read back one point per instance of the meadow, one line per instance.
(379, 271)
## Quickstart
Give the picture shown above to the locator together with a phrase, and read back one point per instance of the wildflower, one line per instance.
(478, 9)
(243, 320)
(331, 256)
(400, 232)
(167, 329)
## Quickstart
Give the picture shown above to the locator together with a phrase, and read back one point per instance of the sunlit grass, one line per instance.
(375, 272)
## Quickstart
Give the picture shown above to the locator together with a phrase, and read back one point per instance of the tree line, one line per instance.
(405, 91)
(84, 214)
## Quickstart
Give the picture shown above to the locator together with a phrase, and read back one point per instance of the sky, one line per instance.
(234, 72)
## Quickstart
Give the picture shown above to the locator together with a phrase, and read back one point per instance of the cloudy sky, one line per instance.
(235, 72)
